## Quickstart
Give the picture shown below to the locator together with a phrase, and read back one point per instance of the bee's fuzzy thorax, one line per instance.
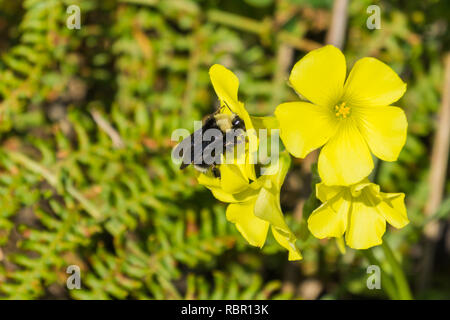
(224, 121)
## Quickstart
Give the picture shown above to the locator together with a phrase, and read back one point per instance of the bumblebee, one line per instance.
(219, 133)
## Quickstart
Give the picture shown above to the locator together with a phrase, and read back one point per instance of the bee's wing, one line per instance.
(216, 143)
(184, 151)
(191, 149)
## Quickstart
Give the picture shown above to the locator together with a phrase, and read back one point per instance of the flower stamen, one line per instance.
(341, 110)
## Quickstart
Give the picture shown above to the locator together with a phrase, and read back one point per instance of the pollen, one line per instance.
(341, 110)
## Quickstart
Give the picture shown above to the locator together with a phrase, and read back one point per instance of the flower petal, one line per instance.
(269, 123)
(367, 186)
(251, 156)
(267, 207)
(325, 193)
(319, 76)
(223, 196)
(330, 219)
(225, 84)
(215, 186)
(243, 196)
(373, 83)
(207, 180)
(366, 226)
(252, 228)
(304, 126)
(232, 180)
(393, 209)
(384, 129)
(340, 243)
(287, 243)
(282, 166)
(345, 159)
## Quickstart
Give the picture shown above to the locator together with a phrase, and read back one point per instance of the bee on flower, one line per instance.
(253, 201)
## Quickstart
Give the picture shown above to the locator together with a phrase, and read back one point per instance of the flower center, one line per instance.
(342, 111)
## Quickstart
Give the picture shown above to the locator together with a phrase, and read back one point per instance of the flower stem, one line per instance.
(404, 291)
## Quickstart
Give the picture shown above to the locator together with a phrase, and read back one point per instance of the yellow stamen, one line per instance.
(341, 110)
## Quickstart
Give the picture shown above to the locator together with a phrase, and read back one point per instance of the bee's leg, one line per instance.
(215, 171)
(201, 167)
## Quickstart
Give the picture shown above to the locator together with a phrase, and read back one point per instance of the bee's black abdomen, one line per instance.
(203, 153)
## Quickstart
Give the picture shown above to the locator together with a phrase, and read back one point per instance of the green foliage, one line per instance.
(86, 118)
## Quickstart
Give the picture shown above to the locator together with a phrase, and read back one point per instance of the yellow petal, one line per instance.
(268, 123)
(384, 129)
(393, 209)
(330, 219)
(340, 243)
(304, 126)
(365, 185)
(287, 243)
(215, 186)
(242, 196)
(284, 162)
(251, 156)
(225, 84)
(250, 170)
(325, 193)
(276, 170)
(373, 83)
(238, 158)
(345, 159)
(319, 76)
(253, 229)
(267, 207)
(242, 112)
(366, 226)
(208, 180)
(223, 196)
(232, 179)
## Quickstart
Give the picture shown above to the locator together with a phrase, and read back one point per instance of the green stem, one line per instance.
(239, 22)
(404, 291)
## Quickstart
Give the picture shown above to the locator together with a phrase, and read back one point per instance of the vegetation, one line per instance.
(86, 176)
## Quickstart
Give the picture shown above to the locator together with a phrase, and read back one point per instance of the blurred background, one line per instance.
(86, 117)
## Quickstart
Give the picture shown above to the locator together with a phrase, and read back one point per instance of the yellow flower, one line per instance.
(359, 210)
(235, 177)
(254, 203)
(257, 208)
(349, 118)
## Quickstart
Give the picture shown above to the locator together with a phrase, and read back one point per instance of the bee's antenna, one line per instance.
(228, 106)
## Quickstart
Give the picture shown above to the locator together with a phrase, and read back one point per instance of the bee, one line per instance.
(219, 133)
